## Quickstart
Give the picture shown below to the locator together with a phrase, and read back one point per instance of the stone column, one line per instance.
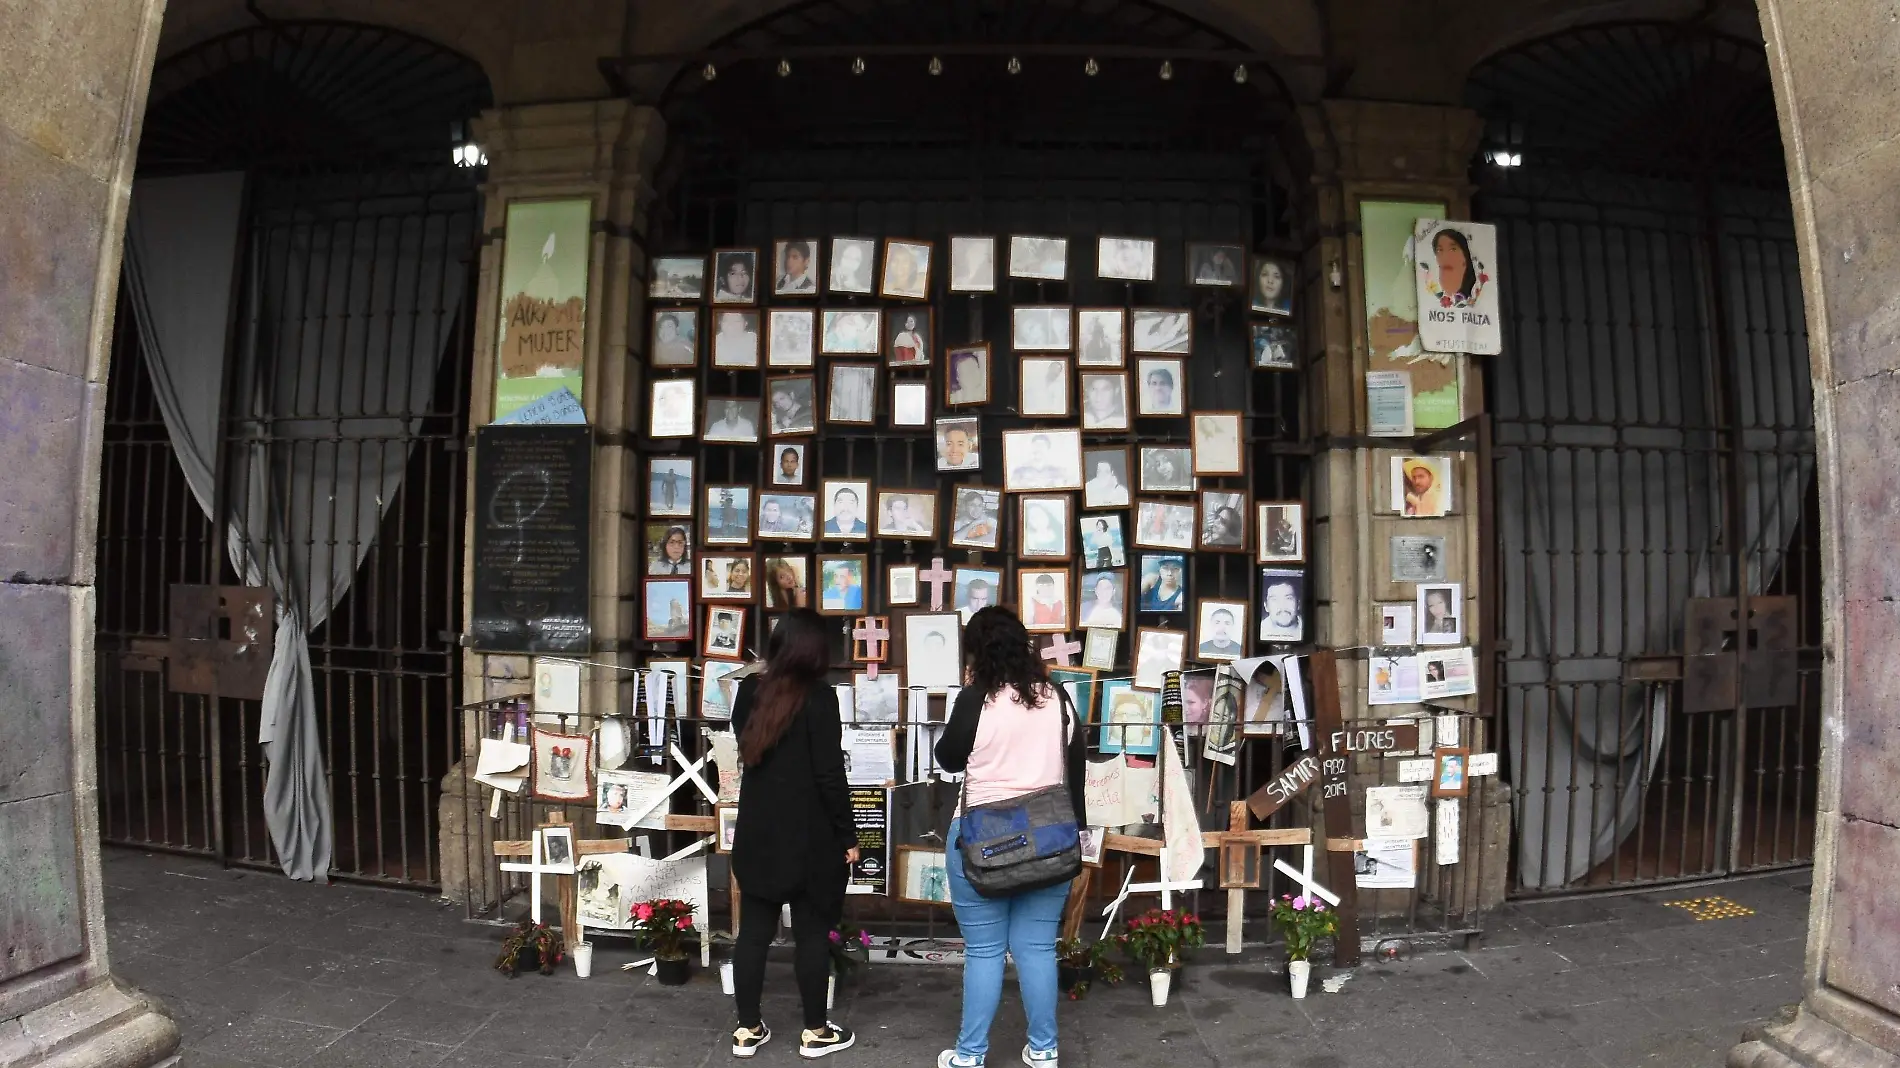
(1834, 64)
(69, 121)
(1372, 150)
(606, 150)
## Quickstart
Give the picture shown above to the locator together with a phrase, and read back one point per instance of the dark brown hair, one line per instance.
(796, 658)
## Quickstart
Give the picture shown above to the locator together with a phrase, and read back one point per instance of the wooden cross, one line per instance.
(936, 578)
(564, 885)
(873, 634)
(1061, 650)
(1239, 862)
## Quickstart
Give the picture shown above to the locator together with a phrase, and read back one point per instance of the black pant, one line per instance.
(811, 956)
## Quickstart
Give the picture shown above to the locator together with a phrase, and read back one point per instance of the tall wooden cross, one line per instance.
(873, 633)
(1239, 860)
(564, 885)
(1061, 650)
(937, 578)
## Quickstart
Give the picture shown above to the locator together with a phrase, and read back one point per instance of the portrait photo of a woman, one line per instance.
(1272, 288)
(1457, 277)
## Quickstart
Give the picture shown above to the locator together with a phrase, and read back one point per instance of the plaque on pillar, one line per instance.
(532, 523)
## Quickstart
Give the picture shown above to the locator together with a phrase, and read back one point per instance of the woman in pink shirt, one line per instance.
(1010, 733)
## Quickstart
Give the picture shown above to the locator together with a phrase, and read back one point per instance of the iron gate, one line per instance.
(1654, 452)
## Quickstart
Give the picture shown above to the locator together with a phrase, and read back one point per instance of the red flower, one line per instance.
(685, 923)
(1446, 301)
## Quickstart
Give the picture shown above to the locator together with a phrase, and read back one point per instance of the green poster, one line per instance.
(543, 332)
(1385, 228)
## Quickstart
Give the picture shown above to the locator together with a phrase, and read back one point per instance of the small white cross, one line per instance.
(1309, 886)
(937, 578)
(536, 868)
(1060, 650)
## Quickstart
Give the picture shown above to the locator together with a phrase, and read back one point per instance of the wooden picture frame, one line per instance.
(1120, 271)
(904, 320)
(1098, 344)
(810, 247)
(675, 278)
(964, 248)
(727, 826)
(915, 524)
(867, 258)
(745, 353)
(1054, 539)
(1149, 403)
(719, 642)
(957, 363)
(1161, 531)
(860, 650)
(1280, 532)
(798, 421)
(1038, 616)
(743, 496)
(1024, 470)
(1097, 418)
(910, 403)
(1086, 616)
(1042, 327)
(781, 345)
(1165, 469)
(919, 287)
(775, 453)
(1200, 425)
(1034, 265)
(1049, 400)
(1201, 253)
(977, 532)
(680, 626)
(854, 527)
(674, 352)
(723, 260)
(916, 880)
(1161, 339)
(866, 336)
(834, 396)
(1451, 772)
(833, 600)
(901, 585)
(714, 578)
(662, 482)
(1209, 647)
(1215, 535)
(774, 596)
(679, 399)
(1099, 493)
(781, 530)
(1148, 676)
(720, 412)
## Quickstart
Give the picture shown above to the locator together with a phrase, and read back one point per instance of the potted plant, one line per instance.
(1156, 939)
(850, 947)
(665, 926)
(530, 946)
(1302, 921)
(1079, 963)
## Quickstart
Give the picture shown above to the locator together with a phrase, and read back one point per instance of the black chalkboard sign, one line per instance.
(532, 487)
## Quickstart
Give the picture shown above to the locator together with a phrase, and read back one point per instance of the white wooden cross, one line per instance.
(689, 773)
(1061, 650)
(536, 867)
(937, 578)
(873, 634)
(1309, 886)
(1129, 886)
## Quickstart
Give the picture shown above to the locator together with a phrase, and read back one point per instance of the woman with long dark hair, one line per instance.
(1457, 276)
(1010, 733)
(795, 842)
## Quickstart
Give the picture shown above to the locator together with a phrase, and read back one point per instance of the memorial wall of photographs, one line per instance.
(1104, 432)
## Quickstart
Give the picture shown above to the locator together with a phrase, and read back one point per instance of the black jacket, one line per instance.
(959, 737)
(794, 812)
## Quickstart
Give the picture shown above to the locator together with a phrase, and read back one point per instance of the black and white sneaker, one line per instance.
(747, 1040)
(823, 1043)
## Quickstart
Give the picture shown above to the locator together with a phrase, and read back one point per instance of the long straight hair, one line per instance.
(796, 658)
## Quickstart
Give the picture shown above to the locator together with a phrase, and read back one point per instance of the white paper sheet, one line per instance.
(1447, 828)
(1396, 812)
(503, 765)
(1386, 864)
(622, 795)
(870, 755)
(557, 687)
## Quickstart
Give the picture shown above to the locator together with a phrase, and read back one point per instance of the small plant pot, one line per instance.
(1067, 976)
(583, 953)
(673, 972)
(1297, 974)
(1159, 981)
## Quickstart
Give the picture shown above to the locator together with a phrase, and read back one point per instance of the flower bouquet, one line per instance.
(665, 926)
(1156, 939)
(850, 947)
(1302, 921)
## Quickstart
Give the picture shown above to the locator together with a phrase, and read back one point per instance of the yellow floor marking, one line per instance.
(1711, 908)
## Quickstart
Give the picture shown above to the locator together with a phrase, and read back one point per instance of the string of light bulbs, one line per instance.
(1014, 65)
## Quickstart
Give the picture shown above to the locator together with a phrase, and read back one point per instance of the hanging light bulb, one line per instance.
(710, 72)
(936, 65)
(857, 65)
(784, 68)
(1240, 74)
(1167, 71)
(1015, 65)
(1091, 68)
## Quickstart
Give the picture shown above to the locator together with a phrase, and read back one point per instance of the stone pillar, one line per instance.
(1371, 150)
(69, 123)
(1834, 64)
(606, 150)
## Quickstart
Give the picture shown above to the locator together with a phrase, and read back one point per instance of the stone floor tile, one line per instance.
(328, 1006)
(268, 1043)
(422, 1020)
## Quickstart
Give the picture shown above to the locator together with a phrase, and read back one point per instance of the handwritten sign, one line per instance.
(1383, 738)
(1284, 787)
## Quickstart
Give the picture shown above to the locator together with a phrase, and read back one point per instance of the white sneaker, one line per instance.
(952, 1059)
(812, 1044)
(1039, 1059)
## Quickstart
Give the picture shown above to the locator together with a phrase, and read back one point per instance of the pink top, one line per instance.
(1016, 748)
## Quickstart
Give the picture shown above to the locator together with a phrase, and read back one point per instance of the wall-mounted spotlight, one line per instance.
(1502, 158)
(1015, 65)
(936, 65)
(784, 68)
(710, 72)
(1167, 71)
(1240, 74)
(857, 65)
(1091, 68)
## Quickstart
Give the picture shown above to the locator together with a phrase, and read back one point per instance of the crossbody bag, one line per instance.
(1026, 842)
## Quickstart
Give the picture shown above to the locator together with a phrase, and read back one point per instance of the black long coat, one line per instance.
(794, 810)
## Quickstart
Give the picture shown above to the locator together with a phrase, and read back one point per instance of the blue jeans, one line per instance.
(1027, 925)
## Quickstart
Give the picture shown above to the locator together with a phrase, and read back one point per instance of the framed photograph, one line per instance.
(1042, 258)
(959, 446)
(735, 276)
(1214, 265)
(1042, 460)
(923, 877)
(900, 585)
(1441, 613)
(788, 516)
(1104, 600)
(1275, 346)
(1100, 647)
(792, 333)
(1282, 527)
(788, 463)
(675, 337)
(973, 589)
(1421, 486)
(787, 581)
(1041, 327)
(853, 394)
(907, 269)
(794, 405)
(1042, 529)
(910, 403)
(725, 630)
(933, 656)
(1045, 386)
(1270, 286)
(1166, 469)
(841, 585)
(1131, 719)
(1102, 544)
(1223, 521)
(735, 343)
(1451, 772)
(910, 514)
(1157, 652)
(851, 331)
(727, 577)
(795, 268)
(1101, 337)
(1043, 594)
(844, 501)
(669, 548)
(972, 264)
(1164, 525)
(670, 407)
(907, 337)
(1091, 840)
(977, 518)
(877, 700)
(1282, 605)
(1163, 585)
(732, 420)
(1107, 469)
(1216, 437)
(557, 843)
(563, 771)
(967, 383)
(1161, 330)
(1218, 629)
(668, 615)
(728, 516)
(728, 816)
(1163, 384)
(669, 485)
(853, 262)
(1125, 259)
(1104, 400)
(678, 278)
(719, 689)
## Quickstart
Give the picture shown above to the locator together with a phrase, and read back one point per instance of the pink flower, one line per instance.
(1446, 301)
(1317, 907)
(643, 911)
(834, 938)
(685, 923)
(864, 939)
(1300, 903)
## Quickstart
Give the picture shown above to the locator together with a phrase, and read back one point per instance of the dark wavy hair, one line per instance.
(998, 652)
(1470, 280)
(797, 656)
